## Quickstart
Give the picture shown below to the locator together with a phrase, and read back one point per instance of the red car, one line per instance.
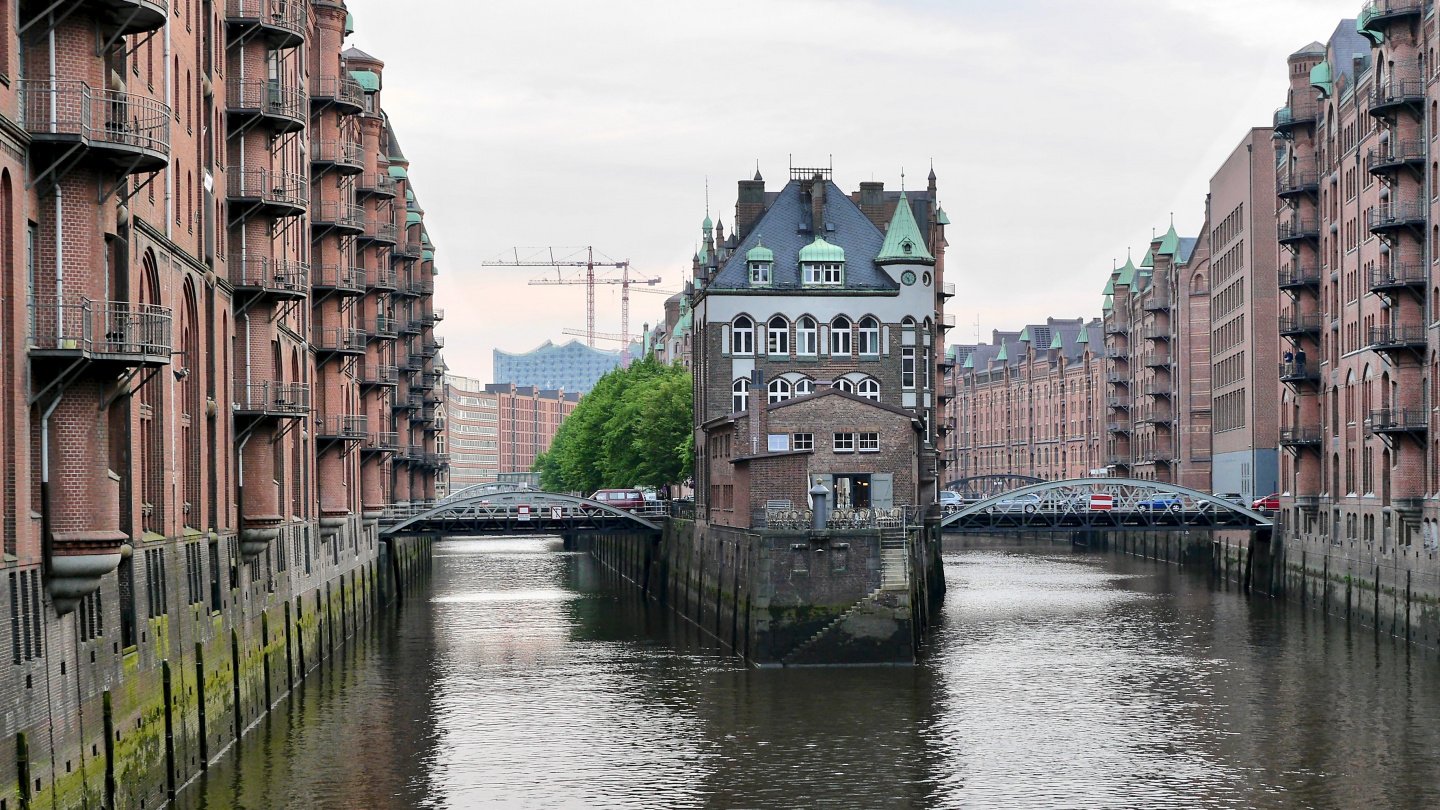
(620, 498)
(1269, 503)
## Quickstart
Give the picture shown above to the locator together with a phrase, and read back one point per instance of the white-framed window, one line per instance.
(907, 368)
(742, 336)
(833, 273)
(778, 339)
(845, 385)
(803, 441)
(843, 443)
(780, 390)
(740, 395)
(868, 389)
(840, 337)
(807, 336)
(759, 272)
(824, 273)
(804, 388)
(869, 336)
(869, 442)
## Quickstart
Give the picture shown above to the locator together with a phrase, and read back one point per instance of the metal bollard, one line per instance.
(820, 499)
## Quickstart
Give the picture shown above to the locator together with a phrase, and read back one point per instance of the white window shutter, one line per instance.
(885, 340)
(725, 340)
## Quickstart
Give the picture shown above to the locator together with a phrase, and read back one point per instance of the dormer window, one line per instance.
(825, 273)
(760, 273)
(822, 264)
(761, 261)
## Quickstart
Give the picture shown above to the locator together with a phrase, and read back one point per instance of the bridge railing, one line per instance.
(877, 518)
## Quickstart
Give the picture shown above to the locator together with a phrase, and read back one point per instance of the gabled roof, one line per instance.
(1170, 242)
(1127, 273)
(903, 240)
(1187, 248)
(785, 228)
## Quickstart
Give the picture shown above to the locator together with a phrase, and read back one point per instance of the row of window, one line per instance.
(781, 389)
(849, 442)
(813, 273)
(866, 338)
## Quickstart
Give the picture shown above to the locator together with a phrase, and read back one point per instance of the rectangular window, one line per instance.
(832, 274)
(760, 273)
(844, 442)
(803, 441)
(812, 274)
(779, 442)
(907, 368)
(869, 442)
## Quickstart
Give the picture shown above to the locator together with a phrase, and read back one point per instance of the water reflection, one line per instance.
(1055, 680)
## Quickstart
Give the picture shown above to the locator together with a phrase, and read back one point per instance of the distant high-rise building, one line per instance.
(572, 366)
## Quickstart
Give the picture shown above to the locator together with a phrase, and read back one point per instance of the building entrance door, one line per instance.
(852, 490)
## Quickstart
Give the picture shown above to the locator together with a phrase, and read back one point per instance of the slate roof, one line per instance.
(356, 53)
(786, 228)
(1187, 248)
(1345, 44)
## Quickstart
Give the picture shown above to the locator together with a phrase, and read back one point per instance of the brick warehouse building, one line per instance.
(814, 290)
(213, 347)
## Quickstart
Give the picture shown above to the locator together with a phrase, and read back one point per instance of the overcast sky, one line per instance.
(1062, 131)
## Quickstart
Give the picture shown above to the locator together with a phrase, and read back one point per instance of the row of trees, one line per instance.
(633, 429)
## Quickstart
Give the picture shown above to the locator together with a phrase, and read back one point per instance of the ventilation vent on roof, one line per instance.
(829, 227)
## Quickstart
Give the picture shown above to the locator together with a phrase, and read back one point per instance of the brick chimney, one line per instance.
(817, 204)
(749, 205)
(872, 202)
(759, 418)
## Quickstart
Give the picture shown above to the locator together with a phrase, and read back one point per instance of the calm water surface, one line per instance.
(517, 679)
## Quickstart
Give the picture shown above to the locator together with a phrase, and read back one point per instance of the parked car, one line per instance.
(950, 502)
(1028, 504)
(619, 498)
(1269, 503)
(1233, 497)
(1161, 503)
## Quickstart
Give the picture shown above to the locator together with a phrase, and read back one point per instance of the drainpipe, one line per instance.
(240, 484)
(47, 544)
(169, 102)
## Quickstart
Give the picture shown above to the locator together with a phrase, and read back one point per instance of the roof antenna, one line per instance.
(707, 196)
(902, 179)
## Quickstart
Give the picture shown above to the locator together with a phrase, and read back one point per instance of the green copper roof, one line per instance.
(707, 225)
(1170, 243)
(822, 251)
(1109, 303)
(427, 255)
(399, 172)
(1149, 260)
(1110, 286)
(412, 218)
(1322, 78)
(1056, 342)
(1004, 355)
(760, 253)
(903, 240)
(1025, 334)
(368, 79)
(1084, 336)
(940, 218)
(409, 195)
(682, 324)
(1127, 273)
(969, 362)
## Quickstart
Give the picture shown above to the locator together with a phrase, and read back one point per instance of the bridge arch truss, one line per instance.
(985, 486)
(1103, 504)
(518, 512)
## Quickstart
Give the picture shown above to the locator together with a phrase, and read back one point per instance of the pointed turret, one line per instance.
(904, 244)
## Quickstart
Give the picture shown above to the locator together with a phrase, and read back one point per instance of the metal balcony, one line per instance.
(430, 348)
(1398, 277)
(411, 362)
(415, 287)
(1395, 338)
(280, 105)
(435, 316)
(1117, 325)
(1157, 360)
(282, 23)
(1117, 378)
(127, 132)
(1301, 179)
(1158, 419)
(426, 415)
(1299, 372)
(429, 380)
(117, 332)
(1394, 94)
(1400, 420)
(411, 326)
(408, 402)
(1301, 437)
(1396, 155)
(270, 278)
(375, 374)
(271, 399)
(345, 157)
(383, 327)
(1122, 427)
(1158, 301)
(1302, 114)
(1117, 460)
(1292, 324)
(338, 278)
(343, 92)
(1395, 216)
(1159, 389)
(1298, 229)
(342, 427)
(405, 249)
(1376, 15)
(279, 194)
(383, 280)
(1118, 403)
(128, 17)
(338, 340)
(338, 216)
(1118, 352)
(375, 185)
(1157, 333)
(384, 442)
(1296, 277)
(379, 231)
(947, 290)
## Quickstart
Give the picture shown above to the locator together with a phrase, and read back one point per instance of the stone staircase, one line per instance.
(894, 560)
(864, 604)
(888, 599)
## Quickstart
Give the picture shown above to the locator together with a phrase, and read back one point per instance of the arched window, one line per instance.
(804, 388)
(845, 385)
(778, 341)
(868, 389)
(740, 395)
(742, 337)
(779, 390)
(807, 337)
(840, 337)
(869, 336)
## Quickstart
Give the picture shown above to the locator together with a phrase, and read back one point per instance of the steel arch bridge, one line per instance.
(985, 486)
(518, 512)
(490, 488)
(1102, 504)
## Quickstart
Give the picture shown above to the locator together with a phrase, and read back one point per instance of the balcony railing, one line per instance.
(1298, 229)
(1157, 301)
(1397, 337)
(1400, 420)
(341, 153)
(136, 334)
(277, 277)
(384, 326)
(1300, 436)
(1396, 93)
(284, 20)
(1300, 114)
(1293, 324)
(380, 231)
(947, 290)
(412, 326)
(409, 402)
(435, 316)
(385, 441)
(1157, 360)
(1396, 215)
(282, 102)
(379, 185)
(1118, 459)
(338, 340)
(1157, 333)
(1117, 378)
(377, 374)
(286, 192)
(384, 279)
(339, 277)
(1299, 371)
(272, 399)
(1117, 402)
(1299, 276)
(342, 90)
(411, 362)
(134, 16)
(1118, 426)
(406, 249)
(1301, 178)
(136, 126)
(416, 286)
(342, 216)
(343, 427)
(1159, 389)
(1398, 276)
(1118, 352)
(1395, 155)
(1116, 325)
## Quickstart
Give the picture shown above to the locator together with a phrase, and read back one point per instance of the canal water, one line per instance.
(1056, 680)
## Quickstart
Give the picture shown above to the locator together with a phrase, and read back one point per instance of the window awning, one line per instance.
(368, 79)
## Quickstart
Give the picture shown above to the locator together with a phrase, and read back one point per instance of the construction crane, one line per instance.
(589, 281)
